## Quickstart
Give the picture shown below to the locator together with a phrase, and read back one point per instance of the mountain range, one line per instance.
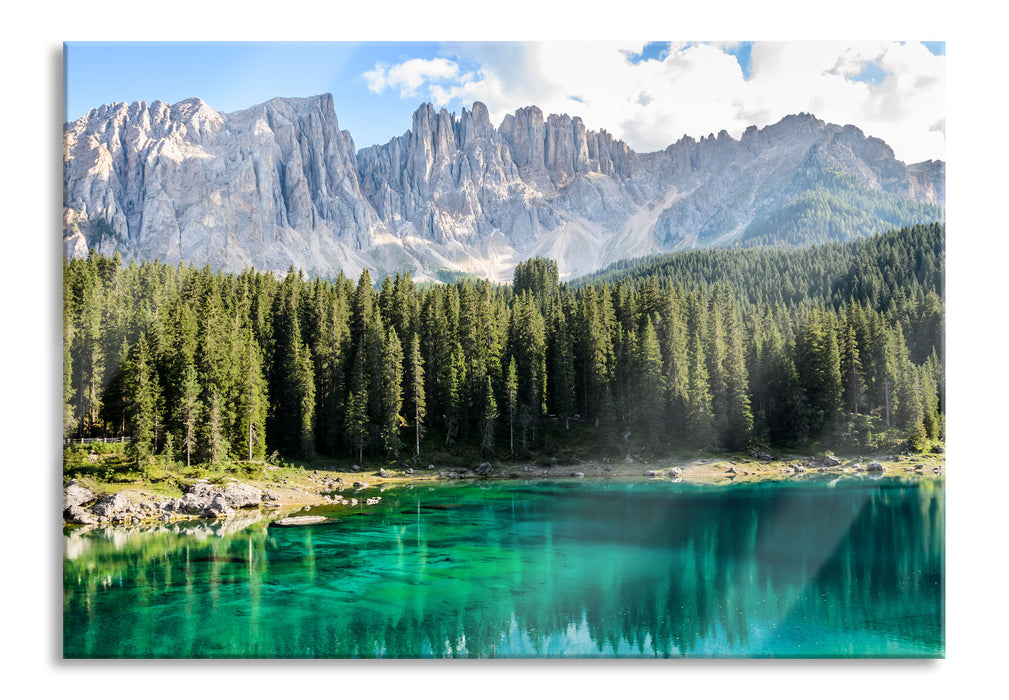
(280, 184)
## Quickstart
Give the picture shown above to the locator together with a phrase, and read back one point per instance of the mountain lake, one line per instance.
(813, 567)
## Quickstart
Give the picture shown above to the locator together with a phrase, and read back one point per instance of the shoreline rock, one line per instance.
(84, 507)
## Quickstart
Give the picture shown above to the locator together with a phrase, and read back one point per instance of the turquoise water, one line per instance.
(550, 569)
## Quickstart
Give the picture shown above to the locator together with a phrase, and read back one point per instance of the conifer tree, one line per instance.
(456, 390)
(214, 444)
(700, 418)
(561, 375)
(488, 419)
(417, 396)
(529, 352)
(305, 384)
(189, 408)
(649, 394)
(851, 365)
(739, 420)
(674, 343)
(252, 401)
(392, 393)
(512, 400)
(141, 404)
(356, 422)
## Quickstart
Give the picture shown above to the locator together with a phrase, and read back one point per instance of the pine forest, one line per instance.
(837, 346)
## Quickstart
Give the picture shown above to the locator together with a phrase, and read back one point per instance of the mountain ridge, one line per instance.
(280, 184)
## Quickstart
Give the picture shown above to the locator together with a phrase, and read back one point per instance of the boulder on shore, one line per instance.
(190, 504)
(76, 495)
(218, 508)
(242, 496)
(113, 504)
(78, 516)
(875, 467)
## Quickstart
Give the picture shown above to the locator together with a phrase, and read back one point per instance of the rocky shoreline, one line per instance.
(202, 500)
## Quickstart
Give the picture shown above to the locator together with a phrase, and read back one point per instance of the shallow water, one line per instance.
(548, 569)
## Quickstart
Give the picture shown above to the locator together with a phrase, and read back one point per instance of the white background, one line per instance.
(30, 183)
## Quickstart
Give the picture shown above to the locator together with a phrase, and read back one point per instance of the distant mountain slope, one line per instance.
(280, 184)
(870, 270)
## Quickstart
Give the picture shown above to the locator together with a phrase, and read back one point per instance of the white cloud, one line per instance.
(410, 75)
(695, 89)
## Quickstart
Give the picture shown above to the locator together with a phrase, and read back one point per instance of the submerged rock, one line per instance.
(300, 520)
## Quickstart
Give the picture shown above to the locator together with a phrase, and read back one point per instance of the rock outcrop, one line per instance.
(76, 495)
(279, 184)
(200, 500)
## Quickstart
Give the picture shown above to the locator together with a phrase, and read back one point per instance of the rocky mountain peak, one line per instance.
(279, 184)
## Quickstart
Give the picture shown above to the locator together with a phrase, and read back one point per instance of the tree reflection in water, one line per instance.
(529, 570)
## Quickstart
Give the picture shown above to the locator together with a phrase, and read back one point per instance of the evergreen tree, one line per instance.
(739, 419)
(141, 404)
(650, 399)
(529, 351)
(416, 394)
(356, 423)
(215, 446)
(700, 418)
(189, 408)
(392, 393)
(851, 365)
(561, 374)
(488, 419)
(512, 401)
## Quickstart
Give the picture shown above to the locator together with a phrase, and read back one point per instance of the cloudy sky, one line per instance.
(648, 93)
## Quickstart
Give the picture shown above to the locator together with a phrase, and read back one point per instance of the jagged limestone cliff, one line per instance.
(280, 184)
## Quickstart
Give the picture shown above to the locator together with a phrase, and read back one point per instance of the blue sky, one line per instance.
(234, 75)
(648, 93)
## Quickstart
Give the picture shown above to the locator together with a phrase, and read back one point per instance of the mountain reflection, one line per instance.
(601, 569)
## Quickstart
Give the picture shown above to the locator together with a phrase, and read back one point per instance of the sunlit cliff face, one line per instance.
(280, 184)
